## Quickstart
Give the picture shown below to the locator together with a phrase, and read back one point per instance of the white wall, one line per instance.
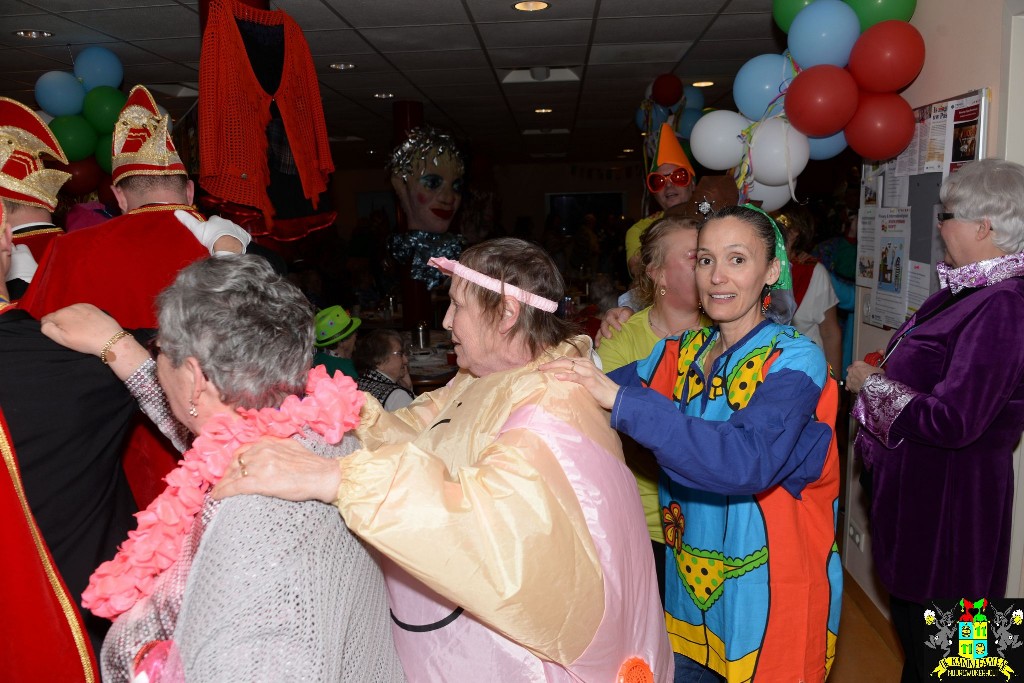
(969, 45)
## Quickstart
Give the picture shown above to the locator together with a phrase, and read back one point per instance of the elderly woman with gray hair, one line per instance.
(382, 360)
(942, 412)
(252, 588)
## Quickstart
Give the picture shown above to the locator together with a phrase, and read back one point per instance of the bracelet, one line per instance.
(110, 342)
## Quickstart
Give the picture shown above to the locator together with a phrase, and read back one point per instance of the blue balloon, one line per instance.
(659, 115)
(824, 33)
(641, 119)
(96, 66)
(827, 147)
(758, 83)
(59, 93)
(694, 97)
(688, 121)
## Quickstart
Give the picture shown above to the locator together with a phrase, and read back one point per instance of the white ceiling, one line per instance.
(449, 54)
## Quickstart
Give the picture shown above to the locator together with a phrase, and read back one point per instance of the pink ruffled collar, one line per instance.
(331, 408)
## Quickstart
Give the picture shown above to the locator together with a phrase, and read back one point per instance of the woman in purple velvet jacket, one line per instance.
(941, 416)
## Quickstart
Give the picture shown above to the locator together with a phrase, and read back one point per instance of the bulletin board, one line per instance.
(898, 242)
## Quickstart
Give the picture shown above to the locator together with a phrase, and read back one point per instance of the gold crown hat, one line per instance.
(24, 138)
(141, 142)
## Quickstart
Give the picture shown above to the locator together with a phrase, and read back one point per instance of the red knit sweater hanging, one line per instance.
(234, 111)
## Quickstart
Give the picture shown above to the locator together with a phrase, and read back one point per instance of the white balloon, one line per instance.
(778, 152)
(44, 116)
(771, 197)
(716, 140)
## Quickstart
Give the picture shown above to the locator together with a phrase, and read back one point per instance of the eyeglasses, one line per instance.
(656, 182)
(403, 352)
(944, 216)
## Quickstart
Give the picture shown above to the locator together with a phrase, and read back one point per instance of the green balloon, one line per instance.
(103, 147)
(76, 137)
(785, 11)
(102, 106)
(871, 12)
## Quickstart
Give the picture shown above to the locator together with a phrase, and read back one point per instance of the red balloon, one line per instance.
(887, 57)
(882, 127)
(85, 175)
(821, 100)
(667, 90)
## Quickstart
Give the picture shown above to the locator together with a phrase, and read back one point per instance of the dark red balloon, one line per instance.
(882, 126)
(667, 90)
(887, 57)
(821, 100)
(85, 175)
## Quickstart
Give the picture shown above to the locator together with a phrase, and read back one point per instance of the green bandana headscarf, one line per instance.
(785, 280)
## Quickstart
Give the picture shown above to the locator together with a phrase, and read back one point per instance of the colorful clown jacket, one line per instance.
(749, 497)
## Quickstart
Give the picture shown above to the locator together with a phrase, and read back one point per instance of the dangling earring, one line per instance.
(192, 409)
(766, 299)
(662, 291)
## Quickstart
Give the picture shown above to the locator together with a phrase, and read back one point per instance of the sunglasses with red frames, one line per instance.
(656, 182)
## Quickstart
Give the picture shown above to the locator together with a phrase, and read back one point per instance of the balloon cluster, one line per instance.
(667, 100)
(835, 86)
(81, 109)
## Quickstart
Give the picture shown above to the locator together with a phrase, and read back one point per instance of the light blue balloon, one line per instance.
(659, 115)
(758, 83)
(96, 66)
(694, 97)
(824, 33)
(641, 119)
(827, 147)
(59, 93)
(688, 121)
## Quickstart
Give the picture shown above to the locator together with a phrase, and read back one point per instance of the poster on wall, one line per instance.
(889, 308)
(962, 132)
(866, 239)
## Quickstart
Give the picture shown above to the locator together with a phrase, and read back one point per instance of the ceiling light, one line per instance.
(548, 75)
(33, 34)
(343, 66)
(531, 6)
(546, 131)
(703, 84)
(542, 110)
(384, 95)
(628, 150)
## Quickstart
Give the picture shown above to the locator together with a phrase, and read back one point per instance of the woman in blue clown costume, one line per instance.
(741, 421)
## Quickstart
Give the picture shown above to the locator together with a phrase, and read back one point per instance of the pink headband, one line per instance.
(451, 267)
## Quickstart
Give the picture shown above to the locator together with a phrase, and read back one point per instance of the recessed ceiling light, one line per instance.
(543, 110)
(703, 84)
(371, 151)
(343, 66)
(384, 95)
(628, 150)
(33, 34)
(531, 6)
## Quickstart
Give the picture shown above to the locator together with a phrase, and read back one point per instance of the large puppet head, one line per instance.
(426, 172)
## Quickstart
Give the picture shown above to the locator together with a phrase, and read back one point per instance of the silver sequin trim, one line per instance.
(980, 274)
(879, 403)
(144, 386)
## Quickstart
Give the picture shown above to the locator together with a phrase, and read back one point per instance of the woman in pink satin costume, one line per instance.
(514, 543)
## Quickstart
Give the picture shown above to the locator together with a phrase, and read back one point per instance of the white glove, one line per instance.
(209, 231)
(23, 264)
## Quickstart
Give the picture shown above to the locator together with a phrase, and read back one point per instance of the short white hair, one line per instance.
(992, 189)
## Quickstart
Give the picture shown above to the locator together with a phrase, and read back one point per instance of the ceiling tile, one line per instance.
(370, 62)
(310, 15)
(734, 49)
(662, 8)
(742, 27)
(173, 49)
(376, 13)
(63, 30)
(422, 38)
(638, 52)
(73, 6)
(158, 73)
(27, 60)
(524, 57)
(336, 41)
(439, 59)
(533, 33)
(454, 77)
(662, 29)
(164, 21)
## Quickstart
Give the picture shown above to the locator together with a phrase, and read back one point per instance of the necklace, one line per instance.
(330, 408)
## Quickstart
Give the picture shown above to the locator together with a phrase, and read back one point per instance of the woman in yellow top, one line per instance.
(667, 290)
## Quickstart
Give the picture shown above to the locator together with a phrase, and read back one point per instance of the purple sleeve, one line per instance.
(879, 402)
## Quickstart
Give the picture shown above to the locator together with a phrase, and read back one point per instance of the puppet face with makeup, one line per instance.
(427, 175)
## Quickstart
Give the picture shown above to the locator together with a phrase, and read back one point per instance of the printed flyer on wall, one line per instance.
(889, 308)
